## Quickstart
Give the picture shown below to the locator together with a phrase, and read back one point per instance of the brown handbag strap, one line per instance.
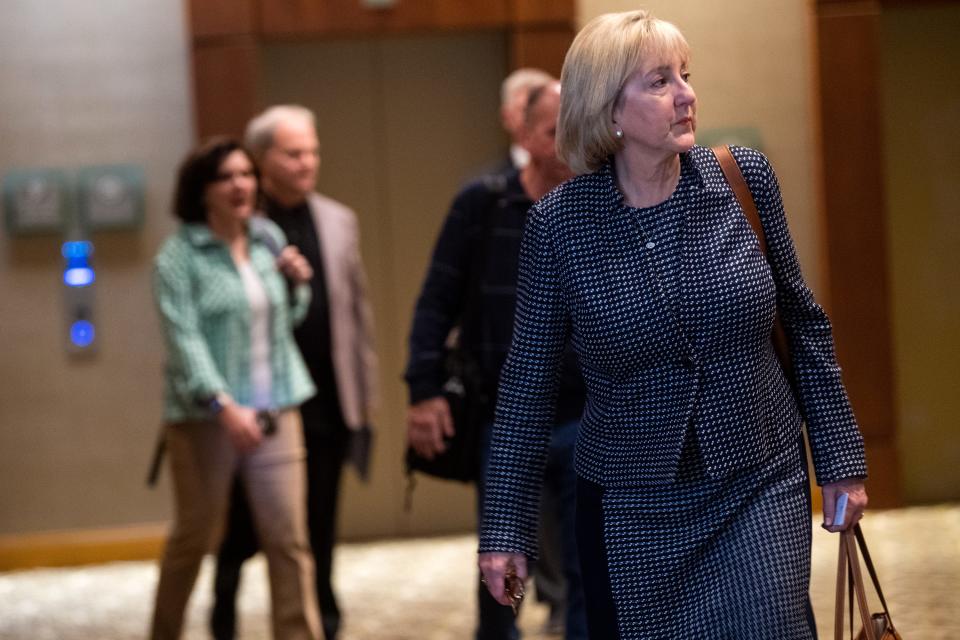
(841, 588)
(845, 587)
(850, 560)
(850, 591)
(862, 543)
(854, 560)
(731, 171)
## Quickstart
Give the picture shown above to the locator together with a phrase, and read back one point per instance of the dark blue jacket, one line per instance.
(471, 284)
(658, 367)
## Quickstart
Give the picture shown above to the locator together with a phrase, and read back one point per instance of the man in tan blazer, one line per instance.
(336, 341)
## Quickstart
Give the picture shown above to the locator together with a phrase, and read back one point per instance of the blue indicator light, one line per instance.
(78, 272)
(78, 277)
(82, 333)
(78, 249)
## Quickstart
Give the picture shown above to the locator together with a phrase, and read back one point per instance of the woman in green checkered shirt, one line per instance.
(228, 298)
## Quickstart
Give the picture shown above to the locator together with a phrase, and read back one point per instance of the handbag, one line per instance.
(877, 626)
(460, 459)
(734, 177)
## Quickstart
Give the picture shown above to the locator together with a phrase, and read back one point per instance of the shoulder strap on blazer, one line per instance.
(731, 171)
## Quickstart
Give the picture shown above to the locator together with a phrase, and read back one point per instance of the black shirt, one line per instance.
(313, 335)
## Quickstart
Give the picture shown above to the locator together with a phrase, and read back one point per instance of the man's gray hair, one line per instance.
(534, 97)
(259, 134)
(522, 80)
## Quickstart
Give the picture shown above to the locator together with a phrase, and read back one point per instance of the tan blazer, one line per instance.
(351, 320)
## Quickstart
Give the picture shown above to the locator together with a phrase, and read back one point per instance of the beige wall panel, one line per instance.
(752, 64)
(86, 83)
(403, 121)
(442, 127)
(921, 126)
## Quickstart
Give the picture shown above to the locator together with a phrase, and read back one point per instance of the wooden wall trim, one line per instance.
(540, 47)
(534, 12)
(916, 3)
(211, 18)
(824, 295)
(225, 77)
(839, 8)
(281, 19)
(850, 113)
(78, 547)
(227, 36)
(286, 19)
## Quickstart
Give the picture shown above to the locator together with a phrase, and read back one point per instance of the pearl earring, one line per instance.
(618, 133)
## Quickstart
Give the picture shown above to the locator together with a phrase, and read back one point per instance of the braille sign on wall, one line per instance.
(110, 197)
(35, 201)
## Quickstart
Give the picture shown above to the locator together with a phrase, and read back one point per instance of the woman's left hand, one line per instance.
(856, 503)
(293, 265)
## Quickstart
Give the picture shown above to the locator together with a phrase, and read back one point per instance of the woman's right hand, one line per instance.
(241, 425)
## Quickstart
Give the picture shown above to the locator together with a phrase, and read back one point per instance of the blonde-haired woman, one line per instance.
(693, 503)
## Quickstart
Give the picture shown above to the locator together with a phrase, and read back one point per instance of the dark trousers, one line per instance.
(495, 621)
(601, 611)
(326, 449)
(559, 485)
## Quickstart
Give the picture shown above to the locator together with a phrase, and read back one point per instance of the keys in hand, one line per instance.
(513, 586)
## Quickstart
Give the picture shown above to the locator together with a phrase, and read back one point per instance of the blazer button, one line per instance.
(690, 362)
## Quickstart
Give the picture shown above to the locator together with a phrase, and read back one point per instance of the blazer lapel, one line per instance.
(331, 239)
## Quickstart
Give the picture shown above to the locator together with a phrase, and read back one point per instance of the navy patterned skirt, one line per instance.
(700, 558)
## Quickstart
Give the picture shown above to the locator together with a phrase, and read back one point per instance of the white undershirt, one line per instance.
(260, 375)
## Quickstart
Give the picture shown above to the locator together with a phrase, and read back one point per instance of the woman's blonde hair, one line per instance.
(603, 55)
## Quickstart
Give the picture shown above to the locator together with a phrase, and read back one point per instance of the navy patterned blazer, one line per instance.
(672, 344)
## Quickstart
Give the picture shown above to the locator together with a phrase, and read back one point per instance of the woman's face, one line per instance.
(230, 197)
(657, 108)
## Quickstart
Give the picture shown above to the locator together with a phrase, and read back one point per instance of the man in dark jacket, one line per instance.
(471, 284)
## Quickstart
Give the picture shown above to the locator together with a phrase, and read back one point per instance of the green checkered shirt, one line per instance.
(205, 318)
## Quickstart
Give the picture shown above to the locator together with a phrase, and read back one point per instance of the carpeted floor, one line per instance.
(423, 589)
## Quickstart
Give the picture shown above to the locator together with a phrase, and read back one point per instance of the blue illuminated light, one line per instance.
(82, 333)
(78, 277)
(77, 249)
(78, 272)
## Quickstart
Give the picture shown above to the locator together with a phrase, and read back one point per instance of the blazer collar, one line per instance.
(697, 164)
(708, 171)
